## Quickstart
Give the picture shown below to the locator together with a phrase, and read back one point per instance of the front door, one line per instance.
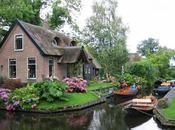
(88, 72)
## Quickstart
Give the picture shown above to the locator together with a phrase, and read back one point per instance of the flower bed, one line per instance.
(75, 84)
(50, 95)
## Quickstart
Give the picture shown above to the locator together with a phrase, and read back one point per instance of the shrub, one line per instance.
(50, 90)
(76, 84)
(12, 84)
(131, 79)
(4, 96)
(23, 98)
(162, 103)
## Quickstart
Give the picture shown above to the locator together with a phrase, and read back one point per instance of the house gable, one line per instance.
(18, 23)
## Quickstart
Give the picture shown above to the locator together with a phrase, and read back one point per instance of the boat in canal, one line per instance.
(145, 104)
(163, 89)
(129, 91)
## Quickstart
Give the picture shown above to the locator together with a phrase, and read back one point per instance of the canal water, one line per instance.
(107, 116)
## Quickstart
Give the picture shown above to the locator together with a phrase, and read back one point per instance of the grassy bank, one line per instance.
(170, 111)
(49, 95)
(94, 85)
(73, 99)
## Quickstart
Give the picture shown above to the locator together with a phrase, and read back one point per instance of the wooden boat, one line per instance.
(128, 91)
(161, 90)
(147, 103)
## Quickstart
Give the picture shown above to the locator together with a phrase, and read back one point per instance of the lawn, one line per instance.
(170, 111)
(94, 85)
(73, 99)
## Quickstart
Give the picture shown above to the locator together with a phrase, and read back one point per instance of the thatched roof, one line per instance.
(43, 39)
(73, 54)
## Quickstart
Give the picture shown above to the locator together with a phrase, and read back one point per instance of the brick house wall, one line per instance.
(30, 50)
(60, 70)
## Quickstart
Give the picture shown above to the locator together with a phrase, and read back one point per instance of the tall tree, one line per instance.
(161, 60)
(148, 46)
(30, 10)
(107, 35)
(104, 28)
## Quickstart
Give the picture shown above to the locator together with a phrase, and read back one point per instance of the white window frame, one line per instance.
(21, 36)
(53, 67)
(9, 67)
(35, 67)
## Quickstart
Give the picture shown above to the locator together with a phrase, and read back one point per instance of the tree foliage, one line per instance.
(148, 46)
(27, 10)
(153, 67)
(106, 34)
(30, 11)
(146, 71)
(59, 15)
(104, 28)
(161, 60)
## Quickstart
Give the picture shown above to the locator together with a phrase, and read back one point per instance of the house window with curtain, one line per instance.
(51, 67)
(12, 68)
(31, 68)
(18, 42)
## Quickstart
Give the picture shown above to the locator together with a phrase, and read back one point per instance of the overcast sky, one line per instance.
(145, 18)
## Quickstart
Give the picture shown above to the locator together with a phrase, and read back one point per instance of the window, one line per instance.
(12, 68)
(73, 43)
(51, 67)
(56, 42)
(18, 42)
(31, 68)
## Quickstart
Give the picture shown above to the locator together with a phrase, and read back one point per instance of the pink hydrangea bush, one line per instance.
(75, 84)
(4, 95)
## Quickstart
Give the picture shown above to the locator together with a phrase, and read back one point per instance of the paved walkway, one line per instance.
(170, 95)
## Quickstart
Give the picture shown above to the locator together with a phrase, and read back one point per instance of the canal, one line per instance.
(107, 116)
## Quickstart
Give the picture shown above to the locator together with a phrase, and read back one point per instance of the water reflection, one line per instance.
(108, 119)
(107, 116)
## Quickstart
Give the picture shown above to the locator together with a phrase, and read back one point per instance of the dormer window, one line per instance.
(18, 42)
(56, 42)
(73, 43)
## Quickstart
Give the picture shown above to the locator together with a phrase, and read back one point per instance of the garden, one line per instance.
(49, 94)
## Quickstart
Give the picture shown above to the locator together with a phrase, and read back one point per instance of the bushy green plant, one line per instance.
(50, 90)
(25, 97)
(131, 79)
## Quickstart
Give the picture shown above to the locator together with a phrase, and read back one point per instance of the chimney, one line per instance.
(46, 24)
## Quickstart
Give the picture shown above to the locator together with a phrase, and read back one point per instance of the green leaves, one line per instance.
(27, 96)
(106, 33)
(51, 90)
(149, 46)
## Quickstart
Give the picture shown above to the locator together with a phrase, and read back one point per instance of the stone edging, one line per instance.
(163, 120)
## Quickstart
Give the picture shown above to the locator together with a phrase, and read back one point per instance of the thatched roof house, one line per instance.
(31, 52)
